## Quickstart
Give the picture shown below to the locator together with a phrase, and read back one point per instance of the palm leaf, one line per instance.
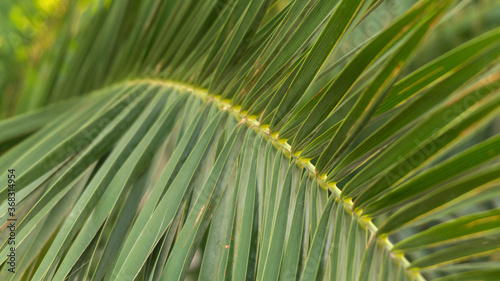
(235, 140)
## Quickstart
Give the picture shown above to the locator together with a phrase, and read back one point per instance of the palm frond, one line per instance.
(239, 139)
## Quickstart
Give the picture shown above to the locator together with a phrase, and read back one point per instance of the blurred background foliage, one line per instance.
(29, 45)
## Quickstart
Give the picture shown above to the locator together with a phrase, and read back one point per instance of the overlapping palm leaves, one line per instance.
(181, 127)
